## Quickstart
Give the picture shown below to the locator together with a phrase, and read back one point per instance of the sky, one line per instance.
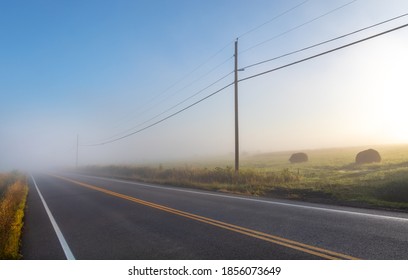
(100, 70)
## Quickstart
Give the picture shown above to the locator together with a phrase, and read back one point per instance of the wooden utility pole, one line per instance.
(236, 109)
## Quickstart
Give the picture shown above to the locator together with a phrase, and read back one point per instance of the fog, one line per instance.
(110, 85)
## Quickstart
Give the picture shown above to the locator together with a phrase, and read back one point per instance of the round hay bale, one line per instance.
(368, 156)
(298, 158)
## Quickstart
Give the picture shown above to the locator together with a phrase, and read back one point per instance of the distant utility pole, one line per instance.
(77, 146)
(236, 109)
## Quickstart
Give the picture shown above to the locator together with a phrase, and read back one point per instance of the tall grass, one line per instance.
(330, 176)
(249, 181)
(13, 191)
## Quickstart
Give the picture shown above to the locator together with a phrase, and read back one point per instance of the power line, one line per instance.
(324, 42)
(299, 26)
(324, 53)
(126, 119)
(186, 99)
(211, 57)
(169, 109)
(206, 61)
(273, 19)
(223, 48)
(251, 77)
(163, 119)
(193, 82)
(180, 90)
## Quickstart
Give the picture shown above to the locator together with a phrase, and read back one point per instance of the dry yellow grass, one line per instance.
(13, 195)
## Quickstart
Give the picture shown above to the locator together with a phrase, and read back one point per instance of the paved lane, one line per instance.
(113, 219)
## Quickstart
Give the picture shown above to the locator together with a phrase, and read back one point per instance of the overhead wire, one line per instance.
(171, 108)
(214, 55)
(211, 57)
(324, 42)
(190, 84)
(273, 19)
(242, 35)
(126, 119)
(324, 53)
(119, 123)
(299, 26)
(161, 120)
(251, 77)
(198, 67)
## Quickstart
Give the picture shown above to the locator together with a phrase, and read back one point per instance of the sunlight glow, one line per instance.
(395, 98)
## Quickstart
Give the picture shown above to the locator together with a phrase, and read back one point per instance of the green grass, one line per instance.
(13, 193)
(329, 176)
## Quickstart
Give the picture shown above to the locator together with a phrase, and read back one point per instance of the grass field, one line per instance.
(13, 193)
(330, 176)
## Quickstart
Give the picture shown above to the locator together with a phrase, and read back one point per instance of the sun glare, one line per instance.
(395, 117)
(395, 94)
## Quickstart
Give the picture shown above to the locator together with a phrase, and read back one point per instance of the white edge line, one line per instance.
(63, 242)
(255, 200)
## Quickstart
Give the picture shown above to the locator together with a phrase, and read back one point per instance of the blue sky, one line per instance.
(99, 69)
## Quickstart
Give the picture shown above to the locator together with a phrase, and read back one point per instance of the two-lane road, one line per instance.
(85, 217)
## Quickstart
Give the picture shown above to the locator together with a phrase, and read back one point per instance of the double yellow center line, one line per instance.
(323, 253)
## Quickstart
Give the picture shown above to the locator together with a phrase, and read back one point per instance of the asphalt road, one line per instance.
(99, 218)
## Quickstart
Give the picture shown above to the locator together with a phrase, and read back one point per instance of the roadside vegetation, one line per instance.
(330, 176)
(13, 193)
